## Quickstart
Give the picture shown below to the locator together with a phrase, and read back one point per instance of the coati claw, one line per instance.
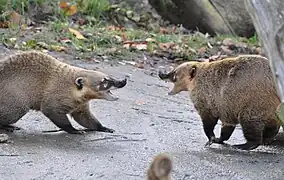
(105, 129)
(214, 140)
(246, 146)
(208, 143)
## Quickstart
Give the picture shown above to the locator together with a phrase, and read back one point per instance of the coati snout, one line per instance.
(182, 77)
(101, 87)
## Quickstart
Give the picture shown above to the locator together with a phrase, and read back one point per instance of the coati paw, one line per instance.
(76, 132)
(246, 146)
(105, 129)
(209, 142)
(9, 128)
(217, 140)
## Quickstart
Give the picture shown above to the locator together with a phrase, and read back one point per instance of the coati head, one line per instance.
(160, 168)
(183, 77)
(96, 85)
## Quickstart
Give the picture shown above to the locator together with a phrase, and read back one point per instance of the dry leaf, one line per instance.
(67, 8)
(150, 40)
(76, 33)
(115, 28)
(63, 4)
(139, 45)
(4, 24)
(58, 48)
(71, 10)
(166, 46)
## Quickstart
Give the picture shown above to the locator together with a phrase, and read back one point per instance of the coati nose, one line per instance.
(164, 76)
(120, 84)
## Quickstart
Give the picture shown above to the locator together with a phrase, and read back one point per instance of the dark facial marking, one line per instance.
(79, 83)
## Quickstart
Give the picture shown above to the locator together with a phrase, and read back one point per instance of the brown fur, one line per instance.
(37, 81)
(235, 90)
(160, 168)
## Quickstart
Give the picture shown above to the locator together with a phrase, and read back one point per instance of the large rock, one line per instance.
(268, 18)
(212, 16)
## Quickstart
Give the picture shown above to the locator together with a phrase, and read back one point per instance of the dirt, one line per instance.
(147, 122)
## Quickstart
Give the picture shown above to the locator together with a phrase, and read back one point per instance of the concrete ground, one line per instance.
(147, 122)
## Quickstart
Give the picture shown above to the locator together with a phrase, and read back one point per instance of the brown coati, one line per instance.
(36, 81)
(238, 90)
(160, 168)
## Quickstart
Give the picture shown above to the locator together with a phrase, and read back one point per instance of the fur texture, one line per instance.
(238, 90)
(37, 81)
(160, 168)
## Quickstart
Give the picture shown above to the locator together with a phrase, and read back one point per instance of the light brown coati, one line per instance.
(160, 168)
(36, 81)
(237, 90)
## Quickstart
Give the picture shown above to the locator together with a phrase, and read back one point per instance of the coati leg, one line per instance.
(269, 133)
(60, 119)
(253, 131)
(85, 118)
(209, 123)
(226, 132)
(9, 128)
(12, 117)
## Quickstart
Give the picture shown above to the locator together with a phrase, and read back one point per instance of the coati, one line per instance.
(236, 90)
(160, 168)
(36, 81)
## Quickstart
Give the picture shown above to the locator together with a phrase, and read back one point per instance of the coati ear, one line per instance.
(192, 71)
(79, 82)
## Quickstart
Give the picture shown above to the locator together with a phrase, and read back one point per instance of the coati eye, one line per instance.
(174, 78)
(79, 82)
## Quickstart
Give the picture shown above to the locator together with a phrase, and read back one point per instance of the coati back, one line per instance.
(36, 81)
(235, 90)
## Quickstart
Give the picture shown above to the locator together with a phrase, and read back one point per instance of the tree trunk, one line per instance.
(268, 19)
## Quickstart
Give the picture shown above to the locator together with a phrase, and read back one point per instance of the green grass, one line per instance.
(99, 39)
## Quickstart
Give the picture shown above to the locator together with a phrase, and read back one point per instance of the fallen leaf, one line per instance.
(76, 33)
(150, 40)
(139, 45)
(71, 10)
(115, 28)
(65, 40)
(4, 24)
(166, 46)
(68, 9)
(58, 48)
(43, 45)
(63, 4)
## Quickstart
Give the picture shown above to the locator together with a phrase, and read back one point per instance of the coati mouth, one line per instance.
(109, 84)
(109, 96)
(167, 76)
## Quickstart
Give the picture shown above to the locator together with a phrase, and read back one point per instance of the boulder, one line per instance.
(207, 16)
